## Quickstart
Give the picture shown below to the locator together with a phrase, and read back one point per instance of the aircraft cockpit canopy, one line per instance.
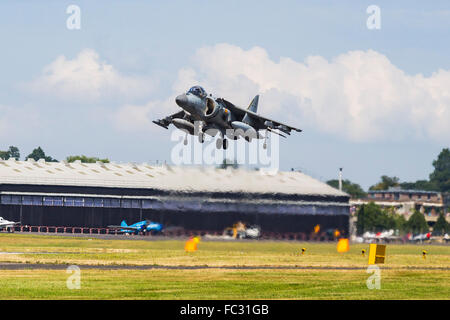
(198, 91)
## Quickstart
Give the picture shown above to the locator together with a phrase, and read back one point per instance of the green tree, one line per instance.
(38, 153)
(400, 222)
(385, 183)
(366, 217)
(441, 174)
(441, 226)
(417, 223)
(371, 217)
(86, 159)
(13, 152)
(419, 185)
(353, 189)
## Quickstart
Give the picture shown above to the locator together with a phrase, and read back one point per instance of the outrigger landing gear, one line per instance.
(185, 140)
(201, 137)
(265, 141)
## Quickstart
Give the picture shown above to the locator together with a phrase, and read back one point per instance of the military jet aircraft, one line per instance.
(213, 115)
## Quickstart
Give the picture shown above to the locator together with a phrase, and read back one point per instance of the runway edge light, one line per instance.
(343, 245)
(424, 254)
(377, 253)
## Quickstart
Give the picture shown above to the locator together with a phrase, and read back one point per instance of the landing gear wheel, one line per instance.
(225, 144)
(219, 143)
(201, 137)
(265, 140)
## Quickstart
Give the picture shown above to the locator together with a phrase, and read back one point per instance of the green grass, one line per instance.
(397, 281)
(223, 284)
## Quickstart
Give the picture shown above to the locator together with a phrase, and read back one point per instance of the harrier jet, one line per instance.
(216, 115)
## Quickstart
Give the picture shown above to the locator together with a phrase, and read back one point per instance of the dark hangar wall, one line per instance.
(211, 213)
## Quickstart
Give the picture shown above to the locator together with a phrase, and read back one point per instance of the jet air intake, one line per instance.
(215, 113)
(211, 107)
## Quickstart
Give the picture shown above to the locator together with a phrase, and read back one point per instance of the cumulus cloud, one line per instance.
(86, 77)
(138, 118)
(359, 95)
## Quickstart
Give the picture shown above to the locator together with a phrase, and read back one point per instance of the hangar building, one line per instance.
(40, 193)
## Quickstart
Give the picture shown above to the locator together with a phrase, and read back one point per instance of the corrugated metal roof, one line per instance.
(165, 177)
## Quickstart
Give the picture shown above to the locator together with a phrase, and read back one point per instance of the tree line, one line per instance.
(38, 153)
(439, 180)
(373, 218)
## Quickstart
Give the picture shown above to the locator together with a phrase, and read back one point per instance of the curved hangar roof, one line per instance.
(142, 176)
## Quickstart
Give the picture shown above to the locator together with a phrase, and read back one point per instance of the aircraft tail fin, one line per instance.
(123, 224)
(254, 104)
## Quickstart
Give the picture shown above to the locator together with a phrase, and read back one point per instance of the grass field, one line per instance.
(405, 275)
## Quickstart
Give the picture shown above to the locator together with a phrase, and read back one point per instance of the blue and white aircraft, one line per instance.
(144, 226)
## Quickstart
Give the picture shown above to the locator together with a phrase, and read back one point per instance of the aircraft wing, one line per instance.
(124, 228)
(9, 224)
(168, 120)
(260, 122)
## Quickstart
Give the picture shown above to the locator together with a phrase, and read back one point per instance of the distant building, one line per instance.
(397, 194)
(446, 201)
(430, 203)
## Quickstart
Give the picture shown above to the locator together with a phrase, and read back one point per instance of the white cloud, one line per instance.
(138, 118)
(86, 77)
(360, 95)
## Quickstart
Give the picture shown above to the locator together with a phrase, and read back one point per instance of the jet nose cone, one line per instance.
(181, 100)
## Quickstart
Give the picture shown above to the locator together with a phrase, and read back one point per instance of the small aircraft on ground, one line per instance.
(8, 225)
(374, 237)
(419, 237)
(382, 236)
(145, 226)
(204, 114)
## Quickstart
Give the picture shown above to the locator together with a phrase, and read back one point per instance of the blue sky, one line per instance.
(141, 54)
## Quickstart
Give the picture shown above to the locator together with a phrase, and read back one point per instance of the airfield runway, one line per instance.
(24, 266)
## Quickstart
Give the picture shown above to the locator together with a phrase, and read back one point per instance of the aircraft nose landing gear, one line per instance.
(201, 137)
